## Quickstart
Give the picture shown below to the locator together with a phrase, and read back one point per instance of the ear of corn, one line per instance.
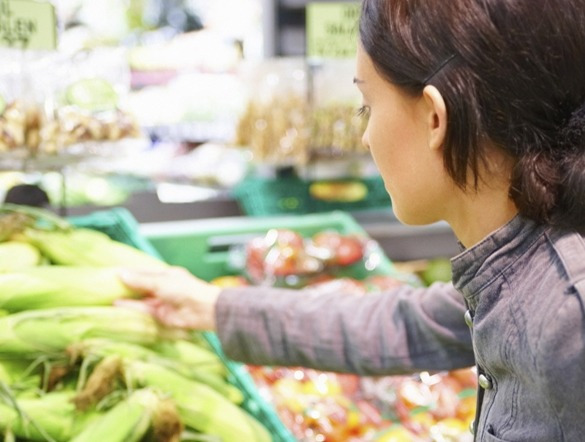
(20, 374)
(87, 247)
(191, 354)
(15, 255)
(56, 286)
(128, 421)
(51, 417)
(29, 215)
(6, 374)
(200, 407)
(102, 348)
(31, 333)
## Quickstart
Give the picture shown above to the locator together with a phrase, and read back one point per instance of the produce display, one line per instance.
(333, 407)
(89, 114)
(76, 365)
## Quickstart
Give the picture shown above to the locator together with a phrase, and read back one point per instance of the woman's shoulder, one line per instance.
(569, 249)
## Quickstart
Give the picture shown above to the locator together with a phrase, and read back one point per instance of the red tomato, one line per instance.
(284, 238)
(343, 249)
(350, 250)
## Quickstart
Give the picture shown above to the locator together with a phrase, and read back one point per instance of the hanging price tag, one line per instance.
(332, 29)
(28, 24)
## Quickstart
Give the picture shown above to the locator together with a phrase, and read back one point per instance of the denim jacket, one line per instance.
(521, 293)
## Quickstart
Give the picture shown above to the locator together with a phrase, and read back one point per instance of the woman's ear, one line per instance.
(436, 116)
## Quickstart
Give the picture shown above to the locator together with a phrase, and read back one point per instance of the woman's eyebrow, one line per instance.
(357, 80)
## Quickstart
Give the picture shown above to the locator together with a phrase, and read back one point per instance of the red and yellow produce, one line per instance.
(333, 407)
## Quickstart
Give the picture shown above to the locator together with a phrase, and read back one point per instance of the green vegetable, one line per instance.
(50, 417)
(87, 247)
(200, 407)
(101, 348)
(60, 286)
(128, 421)
(438, 269)
(15, 255)
(93, 94)
(32, 333)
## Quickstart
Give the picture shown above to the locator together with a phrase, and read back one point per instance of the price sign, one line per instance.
(28, 24)
(332, 29)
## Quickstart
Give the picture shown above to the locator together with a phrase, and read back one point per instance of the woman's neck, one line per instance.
(477, 213)
(480, 214)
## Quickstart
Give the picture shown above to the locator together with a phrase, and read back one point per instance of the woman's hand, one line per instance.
(174, 297)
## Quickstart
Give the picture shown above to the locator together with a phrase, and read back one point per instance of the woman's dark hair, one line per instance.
(511, 72)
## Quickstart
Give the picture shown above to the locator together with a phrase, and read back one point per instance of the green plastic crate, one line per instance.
(292, 195)
(203, 246)
(119, 224)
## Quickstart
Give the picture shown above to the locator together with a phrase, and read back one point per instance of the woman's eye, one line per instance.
(363, 111)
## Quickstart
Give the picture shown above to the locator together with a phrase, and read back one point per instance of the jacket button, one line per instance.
(468, 318)
(485, 382)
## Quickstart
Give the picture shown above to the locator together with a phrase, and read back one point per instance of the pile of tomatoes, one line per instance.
(285, 257)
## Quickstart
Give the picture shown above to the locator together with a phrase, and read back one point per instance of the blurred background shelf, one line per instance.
(400, 242)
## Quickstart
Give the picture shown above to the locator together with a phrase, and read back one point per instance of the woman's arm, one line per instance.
(403, 330)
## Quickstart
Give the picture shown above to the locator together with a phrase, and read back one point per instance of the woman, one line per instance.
(476, 117)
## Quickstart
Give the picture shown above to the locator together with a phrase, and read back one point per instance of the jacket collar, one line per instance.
(478, 266)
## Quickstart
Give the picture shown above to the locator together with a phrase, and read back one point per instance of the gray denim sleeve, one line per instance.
(403, 330)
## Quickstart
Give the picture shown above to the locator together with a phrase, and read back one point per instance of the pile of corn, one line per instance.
(75, 367)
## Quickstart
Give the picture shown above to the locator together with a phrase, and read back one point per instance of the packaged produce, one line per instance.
(283, 257)
(56, 107)
(290, 121)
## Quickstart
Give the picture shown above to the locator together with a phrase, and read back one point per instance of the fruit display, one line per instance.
(334, 407)
(77, 365)
(325, 406)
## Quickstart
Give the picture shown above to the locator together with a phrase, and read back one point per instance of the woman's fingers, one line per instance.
(147, 305)
(169, 284)
(144, 281)
(174, 296)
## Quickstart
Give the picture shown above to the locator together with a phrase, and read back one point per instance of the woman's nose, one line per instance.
(365, 141)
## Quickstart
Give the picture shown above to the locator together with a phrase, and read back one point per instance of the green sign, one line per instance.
(28, 24)
(332, 29)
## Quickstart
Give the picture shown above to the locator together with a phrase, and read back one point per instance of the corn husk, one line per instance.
(60, 286)
(32, 333)
(87, 247)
